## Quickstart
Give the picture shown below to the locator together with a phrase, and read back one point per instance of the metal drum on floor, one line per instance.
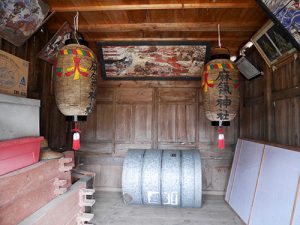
(162, 177)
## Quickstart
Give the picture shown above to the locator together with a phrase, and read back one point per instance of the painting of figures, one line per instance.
(19, 19)
(49, 52)
(287, 13)
(153, 60)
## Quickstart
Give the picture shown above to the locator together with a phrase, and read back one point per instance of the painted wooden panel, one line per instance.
(104, 122)
(277, 187)
(123, 122)
(143, 122)
(246, 178)
(167, 123)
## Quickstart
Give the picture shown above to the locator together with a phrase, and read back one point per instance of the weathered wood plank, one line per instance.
(24, 191)
(61, 210)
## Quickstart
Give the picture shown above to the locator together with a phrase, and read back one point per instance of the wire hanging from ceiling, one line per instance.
(76, 17)
(219, 36)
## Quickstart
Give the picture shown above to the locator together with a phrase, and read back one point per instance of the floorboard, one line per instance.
(110, 210)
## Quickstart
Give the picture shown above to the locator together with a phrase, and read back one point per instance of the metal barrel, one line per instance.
(162, 177)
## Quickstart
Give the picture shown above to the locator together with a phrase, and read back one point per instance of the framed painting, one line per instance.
(286, 13)
(153, 60)
(20, 19)
(272, 44)
(49, 52)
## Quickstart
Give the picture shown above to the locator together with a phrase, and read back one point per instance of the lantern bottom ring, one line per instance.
(223, 123)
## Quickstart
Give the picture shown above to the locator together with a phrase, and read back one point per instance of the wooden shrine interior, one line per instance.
(147, 20)
(164, 114)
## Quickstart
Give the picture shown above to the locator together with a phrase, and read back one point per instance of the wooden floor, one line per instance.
(110, 210)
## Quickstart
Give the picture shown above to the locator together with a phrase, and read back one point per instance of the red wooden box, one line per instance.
(18, 153)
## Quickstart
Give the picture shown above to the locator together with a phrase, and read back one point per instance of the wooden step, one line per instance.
(24, 191)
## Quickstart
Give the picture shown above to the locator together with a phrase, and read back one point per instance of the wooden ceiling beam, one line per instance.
(201, 26)
(106, 39)
(211, 5)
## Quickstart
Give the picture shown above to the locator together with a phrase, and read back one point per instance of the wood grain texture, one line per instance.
(156, 116)
(109, 209)
(161, 21)
(270, 109)
(104, 121)
(52, 125)
(62, 210)
(26, 190)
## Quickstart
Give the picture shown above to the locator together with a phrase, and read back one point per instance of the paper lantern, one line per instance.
(220, 86)
(75, 80)
(75, 83)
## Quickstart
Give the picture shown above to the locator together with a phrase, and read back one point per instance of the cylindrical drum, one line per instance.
(162, 177)
(75, 81)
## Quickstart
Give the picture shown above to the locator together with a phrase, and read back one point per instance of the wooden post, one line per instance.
(269, 105)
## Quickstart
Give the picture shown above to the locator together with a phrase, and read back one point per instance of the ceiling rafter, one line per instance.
(114, 7)
(199, 26)
(204, 38)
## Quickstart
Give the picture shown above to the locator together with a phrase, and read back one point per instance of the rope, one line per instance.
(76, 26)
(219, 36)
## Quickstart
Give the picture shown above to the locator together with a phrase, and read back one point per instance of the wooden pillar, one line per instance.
(269, 104)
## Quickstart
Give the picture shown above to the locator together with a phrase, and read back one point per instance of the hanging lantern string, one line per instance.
(76, 26)
(76, 134)
(221, 141)
(219, 36)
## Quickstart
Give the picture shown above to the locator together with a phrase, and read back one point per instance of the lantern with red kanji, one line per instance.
(75, 82)
(220, 88)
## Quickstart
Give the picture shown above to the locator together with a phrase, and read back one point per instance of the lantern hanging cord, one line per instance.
(76, 26)
(219, 36)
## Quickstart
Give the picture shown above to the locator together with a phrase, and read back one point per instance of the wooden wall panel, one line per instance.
(152, 117)
(104, 122)
(123, 123)
(286, 116)
(206, 131)
(126, 95)
(89, 134)
(270, 103)
(52, 123)
(186, 127)
(167, 123)
(177, 95)
(143, 123)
